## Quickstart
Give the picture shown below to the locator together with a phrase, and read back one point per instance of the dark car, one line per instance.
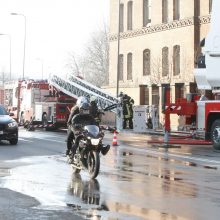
(8, 127)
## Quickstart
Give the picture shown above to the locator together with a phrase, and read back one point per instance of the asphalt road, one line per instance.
(136, 181)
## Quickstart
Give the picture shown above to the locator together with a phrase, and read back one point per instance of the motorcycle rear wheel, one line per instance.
(93, 162)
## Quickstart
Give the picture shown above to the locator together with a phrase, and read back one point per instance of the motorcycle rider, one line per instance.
(81, 119)
(74, 111)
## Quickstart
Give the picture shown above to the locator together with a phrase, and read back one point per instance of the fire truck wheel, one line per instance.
(215, 134)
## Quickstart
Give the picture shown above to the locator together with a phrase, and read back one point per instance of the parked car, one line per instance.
(8, 127)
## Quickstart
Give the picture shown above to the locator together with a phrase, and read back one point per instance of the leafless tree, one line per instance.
(93, 65)
(75, 64)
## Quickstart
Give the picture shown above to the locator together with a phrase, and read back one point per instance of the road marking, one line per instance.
(49, 140)
(177, 156)
(22, 139)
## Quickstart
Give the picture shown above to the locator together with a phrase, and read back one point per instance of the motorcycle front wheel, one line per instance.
(93, 162)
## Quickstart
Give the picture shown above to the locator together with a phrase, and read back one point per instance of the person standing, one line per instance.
(130, 119)
(127, 107)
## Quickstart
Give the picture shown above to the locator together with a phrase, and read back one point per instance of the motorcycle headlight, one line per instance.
(12, 124)
(94, 141)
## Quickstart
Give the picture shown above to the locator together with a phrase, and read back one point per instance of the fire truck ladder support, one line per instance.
(77, 87)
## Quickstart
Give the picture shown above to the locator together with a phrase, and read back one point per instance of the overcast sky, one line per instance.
(53, 29)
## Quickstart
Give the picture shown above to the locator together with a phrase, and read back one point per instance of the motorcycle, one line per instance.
(87, 155)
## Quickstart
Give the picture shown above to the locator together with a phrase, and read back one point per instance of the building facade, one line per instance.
(158, 46)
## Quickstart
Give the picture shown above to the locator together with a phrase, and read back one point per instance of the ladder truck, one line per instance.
(39, 104)
(76, 87)
(204, 113)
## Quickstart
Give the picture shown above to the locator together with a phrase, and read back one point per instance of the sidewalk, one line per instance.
(157, 137)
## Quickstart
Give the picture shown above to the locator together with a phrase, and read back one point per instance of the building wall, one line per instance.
(185, 32)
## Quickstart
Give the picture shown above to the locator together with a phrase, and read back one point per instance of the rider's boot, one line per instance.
(67, 152)
(105, 149)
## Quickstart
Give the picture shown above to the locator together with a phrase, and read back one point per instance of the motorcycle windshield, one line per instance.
(93, 130)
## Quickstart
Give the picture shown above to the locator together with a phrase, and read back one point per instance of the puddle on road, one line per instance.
(49, 180)
(89, 192)
(4, 172)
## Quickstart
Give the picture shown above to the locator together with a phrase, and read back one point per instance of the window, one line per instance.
(121, 65)
(193, 88)
(129, 66)
(176, 60)
(176, 9)
(165, 61)
(130, 11)
(179, 90)
(146, 62)
(144, 95)
(155, 95)
(164, 11)
(121, 18)
(146, 12)
(210, 6)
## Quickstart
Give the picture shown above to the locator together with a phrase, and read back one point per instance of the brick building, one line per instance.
(158, 46)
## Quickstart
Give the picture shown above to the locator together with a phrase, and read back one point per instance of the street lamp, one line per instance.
(42, 67)
(118, 118)
(24, 39)
(9, 36)
(118, 55)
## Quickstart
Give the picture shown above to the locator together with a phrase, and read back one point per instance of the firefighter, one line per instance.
(127, 107)
(130, 120)
(74, 111)
(94, 106)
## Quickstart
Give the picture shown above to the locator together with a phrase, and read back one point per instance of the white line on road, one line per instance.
(178, 156)
(22, 139)
(52, 140)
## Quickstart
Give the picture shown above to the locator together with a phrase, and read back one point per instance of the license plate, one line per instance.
(1, 132)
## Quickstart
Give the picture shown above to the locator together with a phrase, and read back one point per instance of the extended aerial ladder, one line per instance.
(76, 87)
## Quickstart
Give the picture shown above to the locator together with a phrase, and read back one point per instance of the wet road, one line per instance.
(136, 181)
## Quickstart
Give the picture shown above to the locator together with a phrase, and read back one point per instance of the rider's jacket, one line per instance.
(83, 119)
(74, 111)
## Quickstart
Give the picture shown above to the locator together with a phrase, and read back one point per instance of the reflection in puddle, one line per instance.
(87, 190)
(4, 172)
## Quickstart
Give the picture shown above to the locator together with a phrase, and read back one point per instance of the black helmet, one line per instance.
(84, 108)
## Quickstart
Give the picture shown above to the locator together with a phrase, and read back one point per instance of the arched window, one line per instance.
(176, 9)
(146, 62)
(165, 61)
(121, 66)
(176, 60)
(121, 18)
(164, 11)
(146, 12)
(129, 17)
(129, 66)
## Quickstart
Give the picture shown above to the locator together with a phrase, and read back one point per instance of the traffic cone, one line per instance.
(114, 142)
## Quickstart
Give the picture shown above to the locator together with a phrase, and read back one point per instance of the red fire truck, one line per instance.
(42, 104)
(204, 113)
